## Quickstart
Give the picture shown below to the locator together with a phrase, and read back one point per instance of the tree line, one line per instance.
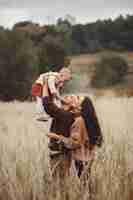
(103, 34)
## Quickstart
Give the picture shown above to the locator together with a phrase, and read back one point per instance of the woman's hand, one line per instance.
(70, 143)
(54, 136)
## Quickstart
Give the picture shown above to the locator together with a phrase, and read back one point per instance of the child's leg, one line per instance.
(41, 114)
(39, 106)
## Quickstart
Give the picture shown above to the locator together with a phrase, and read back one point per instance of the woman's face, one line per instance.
(72, 103)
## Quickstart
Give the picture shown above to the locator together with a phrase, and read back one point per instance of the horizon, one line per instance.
(40, 23)
(47, 12)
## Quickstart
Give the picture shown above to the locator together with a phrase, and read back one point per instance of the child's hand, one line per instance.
(54, 94)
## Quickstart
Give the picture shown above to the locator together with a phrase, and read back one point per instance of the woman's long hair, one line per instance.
(91, 122)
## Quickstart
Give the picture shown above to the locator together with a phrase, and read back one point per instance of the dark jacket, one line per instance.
(61, 123)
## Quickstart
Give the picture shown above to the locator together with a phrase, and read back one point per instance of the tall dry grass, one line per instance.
(24, 167)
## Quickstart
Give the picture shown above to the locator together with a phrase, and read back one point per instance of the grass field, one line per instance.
(24, 168)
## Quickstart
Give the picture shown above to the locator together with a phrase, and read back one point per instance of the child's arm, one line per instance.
(52, 85)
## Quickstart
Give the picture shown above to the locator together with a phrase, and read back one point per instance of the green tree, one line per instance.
(51, 54)
(18, 65)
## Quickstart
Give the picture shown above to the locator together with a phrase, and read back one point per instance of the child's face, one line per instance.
(62, 78)
(65, 77)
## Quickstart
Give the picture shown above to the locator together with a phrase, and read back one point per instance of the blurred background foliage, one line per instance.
(30, 49)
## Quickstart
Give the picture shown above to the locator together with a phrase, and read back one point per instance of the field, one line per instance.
(24, 167)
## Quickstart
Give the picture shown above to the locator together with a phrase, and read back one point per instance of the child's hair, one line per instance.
(65, 70)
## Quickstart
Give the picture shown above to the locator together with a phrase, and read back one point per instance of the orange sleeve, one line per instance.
(76, 132)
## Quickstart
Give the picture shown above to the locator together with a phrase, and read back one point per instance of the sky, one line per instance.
(48, 11)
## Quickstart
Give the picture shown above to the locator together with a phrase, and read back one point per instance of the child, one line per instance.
(55, 81)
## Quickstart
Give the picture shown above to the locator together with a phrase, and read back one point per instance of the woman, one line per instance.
(74, 131)
(85, 135)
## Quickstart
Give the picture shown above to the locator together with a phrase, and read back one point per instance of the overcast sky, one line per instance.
(47, 11)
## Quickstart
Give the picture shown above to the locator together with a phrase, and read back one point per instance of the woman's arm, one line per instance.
(70, 143)
(54, 111)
